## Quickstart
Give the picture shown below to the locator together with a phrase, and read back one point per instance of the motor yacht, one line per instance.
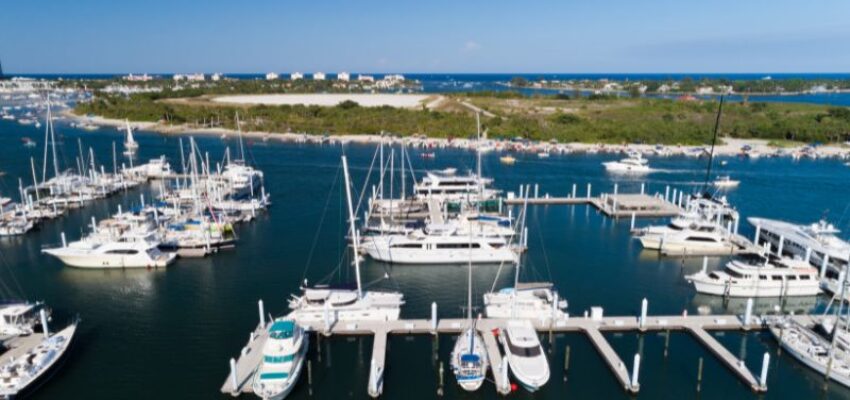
(524, 353)
(725, 182)
(111, 254)
(755, 275)
(818, 243)
(419, 247)
(526, 300)
(634, 164)
(283, 359)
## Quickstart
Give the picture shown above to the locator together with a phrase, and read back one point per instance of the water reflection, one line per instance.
(768, 305)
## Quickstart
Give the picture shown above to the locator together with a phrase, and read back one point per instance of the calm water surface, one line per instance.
(169, 333)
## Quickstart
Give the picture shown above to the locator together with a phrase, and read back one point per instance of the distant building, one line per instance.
(319, 76)
(296, 76)
(390, 81)
(271, 76)
(705, 90)
(178, 77)
(138, 78)
(343, 76)
(664, 88)
(366, 78)
(189, 77)
(216, 77)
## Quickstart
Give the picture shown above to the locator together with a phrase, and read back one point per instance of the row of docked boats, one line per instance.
(193, 217)
(402, 220)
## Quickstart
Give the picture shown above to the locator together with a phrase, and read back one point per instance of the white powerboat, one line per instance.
(283, 359)
(111, 254)
(524, 354)
(725, 182)
(526, 300)
(634, 164)
(422, 248)
(448, 186)
(758, 276)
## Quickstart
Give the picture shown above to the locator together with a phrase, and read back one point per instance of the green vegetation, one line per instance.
(598, 118)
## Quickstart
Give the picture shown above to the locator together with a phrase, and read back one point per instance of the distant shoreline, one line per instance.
(729, 147)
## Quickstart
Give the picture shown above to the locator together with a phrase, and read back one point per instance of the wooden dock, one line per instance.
(613, 205)
(699, 326)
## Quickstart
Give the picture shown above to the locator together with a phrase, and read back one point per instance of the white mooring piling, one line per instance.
(632, 224)
(748, 314)
(262, 313)
(64, 243)
(616, 189)
(536, 190)
(43, 315)
(142, 198)
(588, 191)
(93, 225)
(574, 190)
(434, 317)
(764, 364)
(644, 305)
(233, 379)
(667, 193)
(704, 264)
(635, 371)
(642, 188)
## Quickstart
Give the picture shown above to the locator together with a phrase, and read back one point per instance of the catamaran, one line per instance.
(283, 359)
(326, 303)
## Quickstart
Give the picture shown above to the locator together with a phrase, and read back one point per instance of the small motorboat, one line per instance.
(508, 160)
(725, 182)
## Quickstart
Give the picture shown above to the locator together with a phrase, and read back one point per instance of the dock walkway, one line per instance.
(594, 328)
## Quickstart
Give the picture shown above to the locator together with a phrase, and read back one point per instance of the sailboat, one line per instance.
(327, 303)
(469, 359)
(130, 144)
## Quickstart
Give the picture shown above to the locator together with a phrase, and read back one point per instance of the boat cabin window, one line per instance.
(763, 277)
(792, 277)
(406, 246)
(776, 278)
(458, 245)
(700, 239)
(805, 277)
(523, 351)
(733, 273)
(674, 227)
(123, 251)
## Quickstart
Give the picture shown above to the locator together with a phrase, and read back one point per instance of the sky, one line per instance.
(461, 36)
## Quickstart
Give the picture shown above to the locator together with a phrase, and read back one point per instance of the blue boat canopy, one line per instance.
(282, 329)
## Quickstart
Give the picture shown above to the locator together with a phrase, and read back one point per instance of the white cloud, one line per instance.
(471, 46)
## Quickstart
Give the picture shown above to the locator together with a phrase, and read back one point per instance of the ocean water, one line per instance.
(170, 333)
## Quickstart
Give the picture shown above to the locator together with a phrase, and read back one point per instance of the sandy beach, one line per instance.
(328, 99)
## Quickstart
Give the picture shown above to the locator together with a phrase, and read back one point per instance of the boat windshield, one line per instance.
(282, 330)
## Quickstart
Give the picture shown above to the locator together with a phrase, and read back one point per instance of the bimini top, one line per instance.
(282, 329)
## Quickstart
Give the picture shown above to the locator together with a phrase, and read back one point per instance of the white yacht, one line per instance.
(22, 374)
(19, 318)
(327, 304)
(111, 254)
(812, 350)
(524, 354)
(687, 236)
(526, 300)
(634, 164)
(283, 359)
(725, 182)
(820, 237)
(446, 185)
(758, 276)
(422, 248)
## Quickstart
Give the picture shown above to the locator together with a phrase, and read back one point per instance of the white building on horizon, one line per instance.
(319, 76)
(216, 77)
(138, 78)
(343, 76)
(365, 78)
(199, 77)
(296, 76)
(271, 76)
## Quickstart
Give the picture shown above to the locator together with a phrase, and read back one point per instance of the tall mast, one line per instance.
(381, 179)
(713, 142)
(352, 227)
(46, 142)
(53, 141)
(402, 170)
(478, 154)
(239, 130)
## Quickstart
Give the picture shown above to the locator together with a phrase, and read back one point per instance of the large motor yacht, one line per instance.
(634, 164)
(422, 248)
(525, 355)
(759, 276)
(819, 240)
(283, 359)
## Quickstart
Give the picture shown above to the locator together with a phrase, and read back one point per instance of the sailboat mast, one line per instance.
(381, 179)
(352, 227)
(713, 143)
(402, 170)
(239, 131)
(46, 142)
(478, 162)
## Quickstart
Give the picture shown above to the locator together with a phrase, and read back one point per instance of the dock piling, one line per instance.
(536, 190)
(699, 375)
(704, 264)
(748, 313)
(434, 317)
(574, 190)
(234, 381)
(43, 315)
(440, 380)
(643, 307)
(588, 191)
(632, 225)
(262, 313)
(764, 365)
(666, 342)
(566, 361)
(64, 242)
(642, 187)
(635, 386)
(310, 377)
(667, 193)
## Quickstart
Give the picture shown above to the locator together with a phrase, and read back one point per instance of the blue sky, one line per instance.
(97, 36)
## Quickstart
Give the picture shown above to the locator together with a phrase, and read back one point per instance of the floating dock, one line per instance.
(594, 327)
